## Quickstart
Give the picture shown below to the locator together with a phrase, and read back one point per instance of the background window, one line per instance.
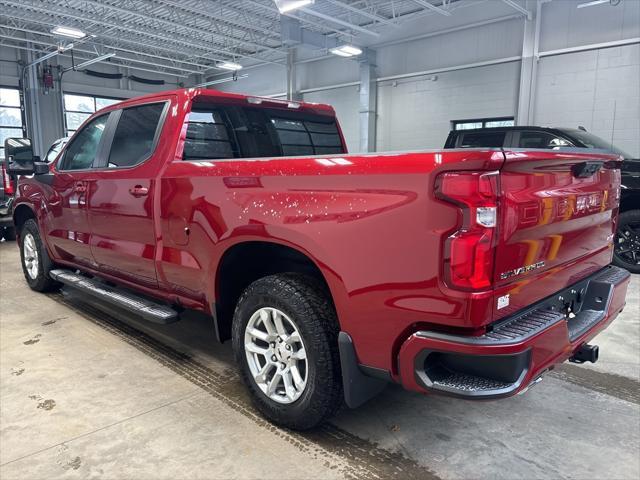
(10, 116)
(482, 123)
(84, 147)
(482, 140)
(77, 108)
(133, 139)
(541, 140)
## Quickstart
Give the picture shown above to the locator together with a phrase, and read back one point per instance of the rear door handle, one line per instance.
(139, 191)
(80, 187)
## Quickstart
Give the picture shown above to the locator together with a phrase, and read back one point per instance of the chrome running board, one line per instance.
(147, 309)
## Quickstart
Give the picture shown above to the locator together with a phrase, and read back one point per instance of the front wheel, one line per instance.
(285, 340)
(36, 263)
(626, 252)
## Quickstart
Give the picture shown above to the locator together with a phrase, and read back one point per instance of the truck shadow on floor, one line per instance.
(413, 432)
(353, 456)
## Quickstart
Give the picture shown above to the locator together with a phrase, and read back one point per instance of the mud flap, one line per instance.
(358, 387)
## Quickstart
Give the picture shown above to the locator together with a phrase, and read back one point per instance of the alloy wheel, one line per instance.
(276, 355)
(30, 253)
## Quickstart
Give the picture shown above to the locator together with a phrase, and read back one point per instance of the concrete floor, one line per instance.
(87, 392)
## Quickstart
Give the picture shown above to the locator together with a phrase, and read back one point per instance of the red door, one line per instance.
(121, 210)
(69, 234)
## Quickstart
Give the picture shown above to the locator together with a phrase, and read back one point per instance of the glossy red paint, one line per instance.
(371, 223)
(548, 348)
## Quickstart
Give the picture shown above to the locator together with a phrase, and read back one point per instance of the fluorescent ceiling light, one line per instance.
(68, 32)
(285, 6)
(592, 3)
(346, 51)
(229, 66)
(221, 80)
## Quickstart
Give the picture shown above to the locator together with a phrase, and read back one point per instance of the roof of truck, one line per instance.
(187, 94)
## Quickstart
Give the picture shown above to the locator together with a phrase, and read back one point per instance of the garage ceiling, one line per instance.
(184, 37)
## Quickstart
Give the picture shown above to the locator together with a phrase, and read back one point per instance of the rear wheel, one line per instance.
(626, 252)
(36, 263)
(285, 342)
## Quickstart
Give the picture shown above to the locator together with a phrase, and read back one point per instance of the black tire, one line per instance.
(9, 234)
(626, 252)
(307, 303)
(42, 281)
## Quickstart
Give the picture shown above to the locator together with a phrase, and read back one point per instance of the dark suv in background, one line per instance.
(627, 243)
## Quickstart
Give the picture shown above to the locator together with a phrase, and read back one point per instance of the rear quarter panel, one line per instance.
(369, 222)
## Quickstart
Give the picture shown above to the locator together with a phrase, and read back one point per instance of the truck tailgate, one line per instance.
(557, 219)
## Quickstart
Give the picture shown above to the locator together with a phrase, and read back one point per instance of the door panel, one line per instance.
(121, 212)
(123, 239)
(69, 234)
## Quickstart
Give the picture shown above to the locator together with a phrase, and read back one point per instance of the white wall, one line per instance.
(598, 89)
(416, 113)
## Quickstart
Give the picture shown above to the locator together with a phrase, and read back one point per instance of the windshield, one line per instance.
(592, 141)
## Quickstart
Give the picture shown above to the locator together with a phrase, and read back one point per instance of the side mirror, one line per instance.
(40, 168)
(20, 158)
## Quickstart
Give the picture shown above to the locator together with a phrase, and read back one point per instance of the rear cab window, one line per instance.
(224, 132)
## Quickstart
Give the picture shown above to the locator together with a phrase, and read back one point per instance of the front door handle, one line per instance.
(139, 191)
(80, 187)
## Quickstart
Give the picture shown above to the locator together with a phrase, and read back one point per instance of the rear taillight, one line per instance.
(469, 251)
(7, 184)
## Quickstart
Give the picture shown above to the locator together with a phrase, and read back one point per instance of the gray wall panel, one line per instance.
(565, 25)
(597, 89)
(417, 113)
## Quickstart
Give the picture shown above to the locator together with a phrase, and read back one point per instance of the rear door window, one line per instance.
(482, 140)
(134, 138)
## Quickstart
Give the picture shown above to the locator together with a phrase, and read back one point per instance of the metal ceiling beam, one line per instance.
(519, 8)
(210, 48)
(203, 13)
(142, 44)
(79, 50)
(169, 23)
(119, 48)
(329, 18)
(321, 26)
(119, 64)
(432, 7)
(364, 13)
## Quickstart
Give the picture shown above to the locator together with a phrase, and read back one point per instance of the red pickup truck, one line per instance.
(463, 272)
